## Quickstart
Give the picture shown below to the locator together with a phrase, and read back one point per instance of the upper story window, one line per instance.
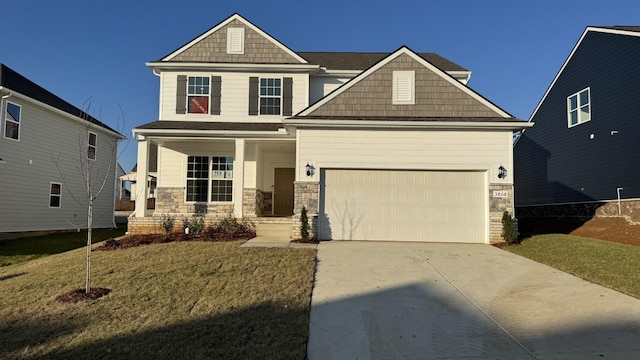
(198, 95)
(12, 118)
(579, 107)
(270, 96)
(92, 145)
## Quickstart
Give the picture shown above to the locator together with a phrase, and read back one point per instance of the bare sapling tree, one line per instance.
(95, 164)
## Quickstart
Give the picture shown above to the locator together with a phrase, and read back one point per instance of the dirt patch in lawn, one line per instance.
(77, 295)
(610, 229)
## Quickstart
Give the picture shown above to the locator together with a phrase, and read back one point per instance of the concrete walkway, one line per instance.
(378, 300)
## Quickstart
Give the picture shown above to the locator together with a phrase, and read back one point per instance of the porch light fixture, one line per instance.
(502, 172)
(310, 169)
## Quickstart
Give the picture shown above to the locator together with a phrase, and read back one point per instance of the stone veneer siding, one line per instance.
(252, 202)
(497, 206)
(171, 201)
(306, 194)
(629, 209)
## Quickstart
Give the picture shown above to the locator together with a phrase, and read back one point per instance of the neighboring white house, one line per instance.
(376, 146)
(44, 143)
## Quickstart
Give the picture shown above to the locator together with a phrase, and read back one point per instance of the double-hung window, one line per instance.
(209, 179)
(12, 115)
(579, 107)
(91, 145)
(270, 96)
(55, 195)
(198, 95)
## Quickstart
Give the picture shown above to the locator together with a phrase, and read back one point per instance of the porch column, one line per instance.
(141, 177)
(238, 179)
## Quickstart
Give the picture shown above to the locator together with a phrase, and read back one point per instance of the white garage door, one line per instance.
(443, 206)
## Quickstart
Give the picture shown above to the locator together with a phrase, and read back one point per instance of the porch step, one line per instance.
(274, 230)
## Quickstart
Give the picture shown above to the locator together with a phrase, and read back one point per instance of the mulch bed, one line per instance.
(77, 295)
(139, 240)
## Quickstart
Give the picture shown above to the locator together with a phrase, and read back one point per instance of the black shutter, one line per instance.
(181, 95)
(254, 87)
(287, 96)
(216, 91)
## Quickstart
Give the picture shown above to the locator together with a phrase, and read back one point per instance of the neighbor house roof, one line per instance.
(620, 27)
(13, 81)
(364, 60)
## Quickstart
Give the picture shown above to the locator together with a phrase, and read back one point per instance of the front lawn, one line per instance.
(183, 300)
(607, 263)
(16, 251)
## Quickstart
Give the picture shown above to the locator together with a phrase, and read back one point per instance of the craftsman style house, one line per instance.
(580, 159)
(376, 146)
(48, 148)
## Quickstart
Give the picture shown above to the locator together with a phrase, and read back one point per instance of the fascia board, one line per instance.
(63, 113)
(409, 125)
(285, 68)
(190, 134)
(225, 23)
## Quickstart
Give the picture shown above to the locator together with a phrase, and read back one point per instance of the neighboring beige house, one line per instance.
(375, 146)
(46, 145)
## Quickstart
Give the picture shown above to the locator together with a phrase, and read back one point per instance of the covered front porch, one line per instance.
(215, 177)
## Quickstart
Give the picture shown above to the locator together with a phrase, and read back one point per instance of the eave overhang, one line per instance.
(199, 66)
(410, 124)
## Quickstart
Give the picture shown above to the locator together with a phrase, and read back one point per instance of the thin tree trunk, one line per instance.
(89, 227)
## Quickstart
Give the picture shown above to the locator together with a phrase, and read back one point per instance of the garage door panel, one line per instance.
(403, 205)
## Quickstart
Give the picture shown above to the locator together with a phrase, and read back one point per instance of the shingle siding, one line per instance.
(257, 49)
(557, 164)
(435, 96)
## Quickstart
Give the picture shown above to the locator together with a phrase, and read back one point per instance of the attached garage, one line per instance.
(403, 205)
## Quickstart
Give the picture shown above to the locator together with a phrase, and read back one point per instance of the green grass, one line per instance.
(183, 300)
(607, 263)
(16, 251)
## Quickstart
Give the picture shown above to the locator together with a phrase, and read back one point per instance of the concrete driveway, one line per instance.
(380, 300)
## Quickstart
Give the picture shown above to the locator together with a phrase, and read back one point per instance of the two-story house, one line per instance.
(49, 149)
(376, 146)
(580, 158)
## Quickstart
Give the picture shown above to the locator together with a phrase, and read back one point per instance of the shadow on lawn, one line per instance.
(266, 331)
(7, 277)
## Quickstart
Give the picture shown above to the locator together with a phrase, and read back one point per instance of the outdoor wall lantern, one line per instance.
(310, 170)
(502, 172)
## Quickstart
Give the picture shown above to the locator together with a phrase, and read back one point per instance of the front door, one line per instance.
(283, 191)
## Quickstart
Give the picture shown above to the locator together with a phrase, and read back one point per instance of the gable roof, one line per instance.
(13, 81)
(231, 19)
(364, 60)
(493, 110)
(619, 30)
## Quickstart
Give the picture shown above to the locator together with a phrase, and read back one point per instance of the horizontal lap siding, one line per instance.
(558, 164)
(425, 150)
(29, 169)
(234, 96)
(173, 159)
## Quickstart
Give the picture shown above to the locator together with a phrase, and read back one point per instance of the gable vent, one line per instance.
(235, 41)
(404, 87)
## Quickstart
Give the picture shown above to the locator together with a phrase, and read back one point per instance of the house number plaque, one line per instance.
(500, 194)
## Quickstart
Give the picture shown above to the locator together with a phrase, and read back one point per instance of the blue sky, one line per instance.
(97, 50)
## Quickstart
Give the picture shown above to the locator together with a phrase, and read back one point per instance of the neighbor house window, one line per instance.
(270, 96)
(579, 107)
(222, 178)
(12, 118)
(198, 95)
(91, 146)
(197, 178)
(55, 194)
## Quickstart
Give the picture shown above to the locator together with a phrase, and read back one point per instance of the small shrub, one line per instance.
(508, 230)
(229, 227)
(185, 225)
(196, 225)
(167, 223)
(304, 225)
